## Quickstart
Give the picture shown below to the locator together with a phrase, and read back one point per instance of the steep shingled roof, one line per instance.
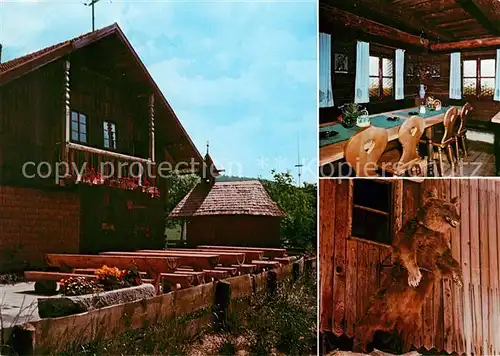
(228, 198)
(17, 62)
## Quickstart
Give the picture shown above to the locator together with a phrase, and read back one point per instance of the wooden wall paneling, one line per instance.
(496, 323)
(363, 265)
(352, 283)
(343, 220)
(465, 258)
(493, 262)
(457, 292)
(484, 260)
(327, 189)
(447, 330)
(428, 311)
(475, 268)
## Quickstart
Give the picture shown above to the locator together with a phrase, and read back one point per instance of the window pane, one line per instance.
(113, 128)
(83, 128)
(106, 134)
(487, 86)
(83, 137)
(374, 66)
(387, 84)
(74, 126)
(374, 83)
(487, 68)
(106, 143)
(387, 70)
(83, 119)
(470, 68)
(470, 86)
(74, 116)
(74, 135)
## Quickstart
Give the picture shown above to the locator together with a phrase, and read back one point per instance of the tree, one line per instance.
(178, 187)
(298, 227)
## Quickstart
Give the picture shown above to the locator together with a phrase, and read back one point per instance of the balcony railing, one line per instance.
(95, 166)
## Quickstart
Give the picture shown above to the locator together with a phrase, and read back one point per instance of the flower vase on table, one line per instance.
(350, 114)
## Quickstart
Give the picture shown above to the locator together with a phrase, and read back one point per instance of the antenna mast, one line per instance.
(299, 164)
(92, 4)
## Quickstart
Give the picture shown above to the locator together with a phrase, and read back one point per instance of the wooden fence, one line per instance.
(461, 320)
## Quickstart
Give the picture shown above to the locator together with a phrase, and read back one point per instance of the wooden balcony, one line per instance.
(95, 166)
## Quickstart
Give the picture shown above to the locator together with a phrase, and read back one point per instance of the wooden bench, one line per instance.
(268, 252)
(284, 260)
(184, 280)
(151, 264)
(225, 258)
(216, 274)
(198, 262)
(233, 271)
(266, 264)
(246, 268)
(249, 254)
(198, 277)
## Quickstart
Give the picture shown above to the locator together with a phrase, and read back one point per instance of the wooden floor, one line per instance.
(480, 162)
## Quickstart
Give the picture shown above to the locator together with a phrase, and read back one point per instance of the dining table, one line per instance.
(332, 148)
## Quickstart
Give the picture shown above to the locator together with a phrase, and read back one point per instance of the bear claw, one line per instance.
(414, 279)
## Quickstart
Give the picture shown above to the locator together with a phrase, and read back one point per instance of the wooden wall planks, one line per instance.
(462, 320)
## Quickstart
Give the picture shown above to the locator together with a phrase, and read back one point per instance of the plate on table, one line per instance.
(327, 134)
(413, 113)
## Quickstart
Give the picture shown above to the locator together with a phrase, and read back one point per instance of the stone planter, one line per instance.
(65, 305)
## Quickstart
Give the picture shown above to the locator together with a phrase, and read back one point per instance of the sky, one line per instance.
(239, 74)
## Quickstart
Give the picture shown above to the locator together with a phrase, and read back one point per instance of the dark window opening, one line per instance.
(109, 135)
(372, 211)
(78, 127)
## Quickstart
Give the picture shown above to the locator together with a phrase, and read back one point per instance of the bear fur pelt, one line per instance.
(423, 256)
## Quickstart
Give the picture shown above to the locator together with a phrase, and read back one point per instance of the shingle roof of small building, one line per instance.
(228, 198)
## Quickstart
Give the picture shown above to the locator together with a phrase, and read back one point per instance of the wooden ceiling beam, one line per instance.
(371, 27)
(466, 44)
(395, 16)
(479, 15)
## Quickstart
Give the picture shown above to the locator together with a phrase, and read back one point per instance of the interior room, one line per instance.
(409, 87)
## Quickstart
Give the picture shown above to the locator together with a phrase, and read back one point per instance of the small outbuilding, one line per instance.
(230, 213)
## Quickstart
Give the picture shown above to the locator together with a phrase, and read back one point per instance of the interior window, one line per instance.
(381, 77)
(479, 77)
(372, 211)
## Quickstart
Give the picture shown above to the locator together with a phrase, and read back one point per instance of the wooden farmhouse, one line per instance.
(230, 213)
(359, 219)
(400, 59)
(89, 99)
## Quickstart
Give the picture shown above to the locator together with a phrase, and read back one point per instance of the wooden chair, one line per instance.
(443, 141)
(462, 130)
(364, 149)
(397, 162)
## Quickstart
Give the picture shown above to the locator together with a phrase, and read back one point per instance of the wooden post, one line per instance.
(152, 127)
(221, 307)
(67, 112)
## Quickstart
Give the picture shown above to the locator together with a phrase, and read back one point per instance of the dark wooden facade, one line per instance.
(100, 75)
(239, 230)
(455, 320)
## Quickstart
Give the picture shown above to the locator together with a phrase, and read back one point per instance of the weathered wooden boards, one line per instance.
(268, 252)
(225, 258)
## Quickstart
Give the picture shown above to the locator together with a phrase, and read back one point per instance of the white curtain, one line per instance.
(496, 96)
(361, 94)
(325, 71)
(400, 65)
(455, 76)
